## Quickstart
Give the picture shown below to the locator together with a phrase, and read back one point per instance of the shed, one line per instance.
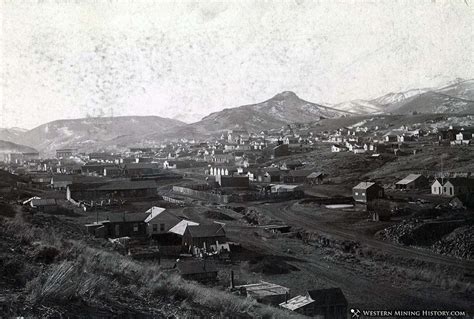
(44, 205)
(265, 292)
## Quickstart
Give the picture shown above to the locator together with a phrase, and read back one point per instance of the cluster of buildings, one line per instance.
(402, 141)
(456, 186)
(236, 167)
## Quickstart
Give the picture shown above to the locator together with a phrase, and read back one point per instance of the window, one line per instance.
(363, 194)
(444, 189)
(450, 191)
(357, 193)
(162, 227)
(135, 227)
(155, 227)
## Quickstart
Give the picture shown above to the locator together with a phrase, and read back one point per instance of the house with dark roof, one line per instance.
(203, 236)
(280, 150)
(233, 181)
(61, 181)
(412, 181)
(140, 169)
(322, 303)
(44, 205)
(113, 171)
(315, 178)
(270, 175)
(297, 176)
(120, 225)
(364, 192)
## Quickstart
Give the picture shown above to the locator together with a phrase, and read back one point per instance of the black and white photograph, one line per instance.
(237, 159)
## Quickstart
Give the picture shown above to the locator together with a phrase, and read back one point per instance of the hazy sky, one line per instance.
(69, 59)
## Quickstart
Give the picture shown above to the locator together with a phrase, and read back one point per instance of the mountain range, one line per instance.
(457, 97)
(118, 133)
(11, 134)
(92, 134)
(10, 147)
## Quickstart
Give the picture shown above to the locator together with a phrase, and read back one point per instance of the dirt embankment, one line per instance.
(445, 237)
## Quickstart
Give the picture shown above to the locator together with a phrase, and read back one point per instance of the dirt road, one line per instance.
(294, 215)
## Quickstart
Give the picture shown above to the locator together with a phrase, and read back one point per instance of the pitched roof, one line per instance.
(410, 178)
(43, 202)
(154, 212)
(364, 185)
(126, 217)
(331, 296)
(315, 175)
(180, 227)
(263, 289)
(209, 230)
(196, 267)
(297, 302)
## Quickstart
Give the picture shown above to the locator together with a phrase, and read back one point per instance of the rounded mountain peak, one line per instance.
(286, 95)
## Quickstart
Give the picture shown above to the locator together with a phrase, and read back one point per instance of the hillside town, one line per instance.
(237, 159)
(205, 208)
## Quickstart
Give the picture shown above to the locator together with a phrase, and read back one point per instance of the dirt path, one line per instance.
(362, 288)
(295, 216)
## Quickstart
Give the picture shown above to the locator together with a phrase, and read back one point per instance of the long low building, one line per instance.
(412, 181)
(114, 189)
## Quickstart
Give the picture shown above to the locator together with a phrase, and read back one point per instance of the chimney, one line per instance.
(286, 297)
(232, 285)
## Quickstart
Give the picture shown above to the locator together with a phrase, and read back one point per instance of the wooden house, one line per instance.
(160, 221)
(120, 225)
(412, 181)
(437, 187)
(140, 169)
(315, 178)
(203, 236)
(61, 181)
(46, 205)
(366, 191)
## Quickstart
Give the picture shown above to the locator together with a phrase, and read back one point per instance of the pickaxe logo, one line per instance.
(355, 313)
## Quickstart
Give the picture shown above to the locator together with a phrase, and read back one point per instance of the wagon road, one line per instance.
(309, 221)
